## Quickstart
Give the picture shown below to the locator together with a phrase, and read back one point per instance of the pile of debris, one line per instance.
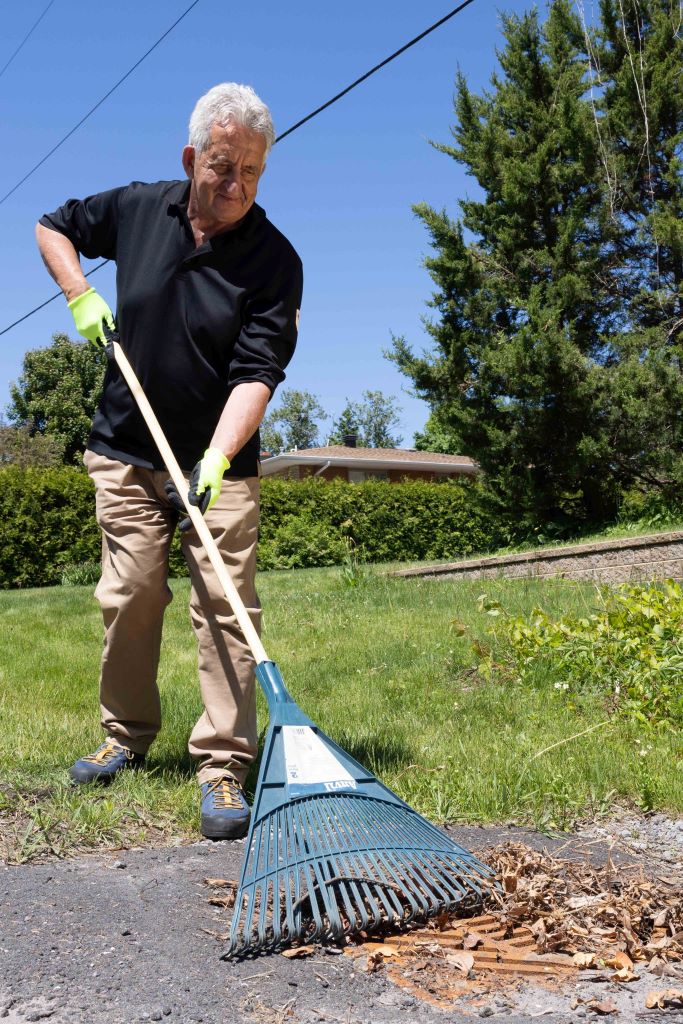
(555, 922)
(591, 913)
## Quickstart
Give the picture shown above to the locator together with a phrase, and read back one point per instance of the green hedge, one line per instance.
(413, 520)
(47, 519)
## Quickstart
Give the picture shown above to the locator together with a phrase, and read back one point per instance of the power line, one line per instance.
(309, 117)
(377, 67)
(26, 38)
(57, 295)
(99, 103)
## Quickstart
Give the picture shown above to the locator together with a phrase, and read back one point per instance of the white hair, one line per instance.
(230, 102)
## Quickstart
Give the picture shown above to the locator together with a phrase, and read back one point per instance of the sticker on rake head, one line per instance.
(311, 765)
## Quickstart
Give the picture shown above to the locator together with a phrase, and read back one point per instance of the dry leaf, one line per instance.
(665, 997)
(622, 961)
(584, 959)
(429, 947)
(226, 902)
(221, 883)
(624, 975)
(510, 881)
(374, 962)
(661, 969)
(298, 951)
(462, 961)
(603, 1009)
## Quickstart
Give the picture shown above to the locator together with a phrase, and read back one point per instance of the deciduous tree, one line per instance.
(372, 420)
(57, 393)
(294, 424)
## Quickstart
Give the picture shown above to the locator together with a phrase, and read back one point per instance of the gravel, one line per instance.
(112, 939)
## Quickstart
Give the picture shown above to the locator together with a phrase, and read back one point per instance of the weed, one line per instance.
(78, 574)
(353, 572)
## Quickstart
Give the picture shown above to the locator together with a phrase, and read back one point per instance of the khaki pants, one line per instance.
(138, 523)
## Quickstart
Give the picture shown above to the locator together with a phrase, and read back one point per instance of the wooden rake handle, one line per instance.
(197, 519)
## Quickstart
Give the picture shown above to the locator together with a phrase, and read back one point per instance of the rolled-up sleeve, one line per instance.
(90, 224)
(268, 337)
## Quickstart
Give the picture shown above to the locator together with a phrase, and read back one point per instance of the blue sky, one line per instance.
(341, 187)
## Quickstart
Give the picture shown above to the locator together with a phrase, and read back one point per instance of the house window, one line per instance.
(359, 476)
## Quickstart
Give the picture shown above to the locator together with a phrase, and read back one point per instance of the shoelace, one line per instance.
(226, 792)
(105, 753)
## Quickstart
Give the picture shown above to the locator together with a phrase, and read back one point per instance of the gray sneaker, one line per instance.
(225, 812)
(107, 761)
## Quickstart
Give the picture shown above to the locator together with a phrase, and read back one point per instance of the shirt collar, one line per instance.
(179, 196)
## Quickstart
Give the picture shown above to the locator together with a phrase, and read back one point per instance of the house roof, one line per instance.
(368, 458)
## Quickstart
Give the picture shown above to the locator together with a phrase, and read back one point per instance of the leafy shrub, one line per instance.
(385, 522)
(301, 542)
(631, 651)
(650, 510)
(48, 523)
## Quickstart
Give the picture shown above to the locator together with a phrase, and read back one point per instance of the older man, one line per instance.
(208, 297)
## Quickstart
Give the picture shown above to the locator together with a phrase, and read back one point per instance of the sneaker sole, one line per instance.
(100, 778)
(211, 830)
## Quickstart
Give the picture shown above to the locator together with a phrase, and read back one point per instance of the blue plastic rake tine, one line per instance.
(361, 908)
(427, 875)
(324, 860)
(331, 893)
(432, 876)
(292, 841)
(371, 899)
(325, 825)
(369, 868)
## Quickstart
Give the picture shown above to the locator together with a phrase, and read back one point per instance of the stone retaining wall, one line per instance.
(659, 556)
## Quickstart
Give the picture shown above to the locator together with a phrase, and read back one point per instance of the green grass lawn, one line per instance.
(379, 666)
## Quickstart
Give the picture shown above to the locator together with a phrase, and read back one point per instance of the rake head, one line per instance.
(329, 865)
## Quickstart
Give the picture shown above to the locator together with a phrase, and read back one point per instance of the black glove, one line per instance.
(200, 500)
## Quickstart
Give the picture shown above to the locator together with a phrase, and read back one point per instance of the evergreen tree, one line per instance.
(537, 283)
(636, 61)
(57, 393)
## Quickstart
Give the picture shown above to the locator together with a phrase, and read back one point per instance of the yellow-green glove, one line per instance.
(205, 485)
(89, 310)
(207, 479)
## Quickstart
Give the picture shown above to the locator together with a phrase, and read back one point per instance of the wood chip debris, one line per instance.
(555, 920)
(226, 892)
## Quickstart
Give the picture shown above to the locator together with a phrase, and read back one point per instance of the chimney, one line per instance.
(350, 440)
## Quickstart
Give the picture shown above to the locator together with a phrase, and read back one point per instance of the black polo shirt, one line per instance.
(194, 322)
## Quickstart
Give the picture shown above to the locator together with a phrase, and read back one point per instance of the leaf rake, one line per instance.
(331, 851)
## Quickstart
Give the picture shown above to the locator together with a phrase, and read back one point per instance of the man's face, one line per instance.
(225, 175)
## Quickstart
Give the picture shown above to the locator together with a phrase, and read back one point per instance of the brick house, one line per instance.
(355, 465)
